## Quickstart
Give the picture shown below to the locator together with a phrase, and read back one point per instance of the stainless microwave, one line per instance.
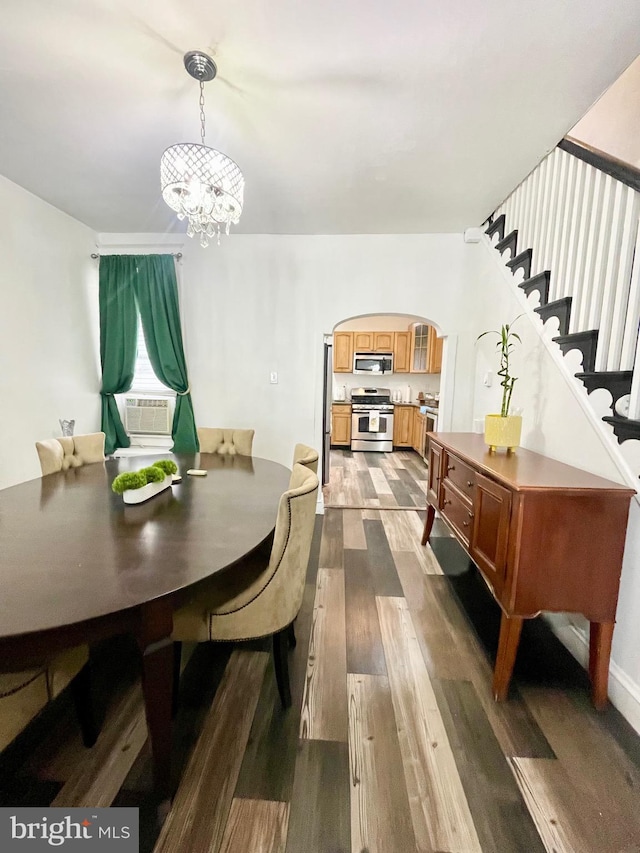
(375, 363)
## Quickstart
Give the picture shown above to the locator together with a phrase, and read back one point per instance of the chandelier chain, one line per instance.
(202, 110)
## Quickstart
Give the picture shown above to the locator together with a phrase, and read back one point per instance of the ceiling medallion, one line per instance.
(201, 184)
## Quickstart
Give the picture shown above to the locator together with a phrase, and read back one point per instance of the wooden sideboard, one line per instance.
(544, 535)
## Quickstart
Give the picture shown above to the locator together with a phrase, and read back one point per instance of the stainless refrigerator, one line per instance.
(327, 396)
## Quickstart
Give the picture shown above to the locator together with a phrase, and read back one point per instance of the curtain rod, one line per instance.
(176, 255)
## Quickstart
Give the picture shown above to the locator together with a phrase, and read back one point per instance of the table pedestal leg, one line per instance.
(600, 637)
(428, 523)
(510, 629)
(154, 642)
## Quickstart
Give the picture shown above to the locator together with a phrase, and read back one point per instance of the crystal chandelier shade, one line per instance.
(201, 184)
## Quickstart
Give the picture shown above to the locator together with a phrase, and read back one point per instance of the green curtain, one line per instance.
(157, 294)
(118, 335)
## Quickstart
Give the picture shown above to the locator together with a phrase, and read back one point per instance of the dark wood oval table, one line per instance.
(78, 564)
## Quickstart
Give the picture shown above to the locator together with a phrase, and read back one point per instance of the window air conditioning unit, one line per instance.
(147, 416)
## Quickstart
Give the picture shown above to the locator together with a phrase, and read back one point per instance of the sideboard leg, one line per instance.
(510, 629)
(428, 523)
(600, 637)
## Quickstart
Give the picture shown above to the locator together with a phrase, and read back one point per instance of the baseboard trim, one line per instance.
(623, 692)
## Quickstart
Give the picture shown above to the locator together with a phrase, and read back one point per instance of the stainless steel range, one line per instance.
(371, 419)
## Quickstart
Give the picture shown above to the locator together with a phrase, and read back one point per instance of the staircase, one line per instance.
(569, 234)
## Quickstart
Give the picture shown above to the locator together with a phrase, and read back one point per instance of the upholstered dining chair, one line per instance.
(226, 441)
(306, 456)
(24, 694)
(58, 454)
(261, 596)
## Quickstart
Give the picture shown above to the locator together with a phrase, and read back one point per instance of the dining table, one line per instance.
(79, 565)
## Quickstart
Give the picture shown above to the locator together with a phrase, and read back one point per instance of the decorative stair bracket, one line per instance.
(496, 227)
(521, 261)
(539, 282)
(616, 382)
(586, 342)
(561, 309)
(624, 428)
(510, 242)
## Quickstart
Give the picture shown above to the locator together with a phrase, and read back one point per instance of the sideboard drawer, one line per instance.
(458, 512)
(460, 474)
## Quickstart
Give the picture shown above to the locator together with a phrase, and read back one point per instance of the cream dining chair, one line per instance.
(58, 454)
(306, 456)
(226, 441)
(261, 596)
(24, 694)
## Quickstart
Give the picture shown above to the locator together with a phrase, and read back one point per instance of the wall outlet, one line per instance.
(273, 377)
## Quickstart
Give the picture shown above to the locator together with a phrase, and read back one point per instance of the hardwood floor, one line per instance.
(393, 742)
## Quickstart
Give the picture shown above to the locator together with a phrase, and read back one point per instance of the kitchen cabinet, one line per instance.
(341, 425)
(403, 426)
(383, 341)
(401, 352)
(434, 355)
(426, 349)
(544, 535)
(419, 347)
(343, 352)
(373, 341)
(363, 341)
(418, 350)
(419, 443)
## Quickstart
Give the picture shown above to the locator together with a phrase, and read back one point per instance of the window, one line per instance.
(144, 379)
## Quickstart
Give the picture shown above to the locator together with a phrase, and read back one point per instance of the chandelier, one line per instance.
(201, 184)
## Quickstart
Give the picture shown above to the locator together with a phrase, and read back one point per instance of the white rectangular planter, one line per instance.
(137, 496)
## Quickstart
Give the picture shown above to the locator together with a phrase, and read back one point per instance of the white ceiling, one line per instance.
(346, 116)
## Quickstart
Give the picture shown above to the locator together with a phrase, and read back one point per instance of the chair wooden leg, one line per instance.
(281, 665)
(177, 661)
(83, 701)
(291, 635)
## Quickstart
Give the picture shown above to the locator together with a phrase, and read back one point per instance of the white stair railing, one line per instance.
(583, 225)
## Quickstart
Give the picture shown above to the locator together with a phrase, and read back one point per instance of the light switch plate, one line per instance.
(273, 377)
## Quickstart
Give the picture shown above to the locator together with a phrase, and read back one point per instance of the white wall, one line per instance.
(48, 329)
(262, 303)
(613, 122)
(555, 423)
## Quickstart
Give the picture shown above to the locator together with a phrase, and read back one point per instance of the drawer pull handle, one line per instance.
(469, 483)
(451, 468)
(470, 514)
(465, 523)
(446, 501)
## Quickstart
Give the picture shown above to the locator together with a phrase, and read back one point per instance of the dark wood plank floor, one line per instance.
(393, 742)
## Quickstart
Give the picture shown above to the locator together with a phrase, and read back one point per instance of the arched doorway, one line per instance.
(381, 396)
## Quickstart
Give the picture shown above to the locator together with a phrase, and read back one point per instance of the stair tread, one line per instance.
(534, 278)
(619, 374)
(565, 300)
(618, 419)
(589, 333)
(521, 256)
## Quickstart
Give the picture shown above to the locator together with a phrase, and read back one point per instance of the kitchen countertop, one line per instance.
(413, 405)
